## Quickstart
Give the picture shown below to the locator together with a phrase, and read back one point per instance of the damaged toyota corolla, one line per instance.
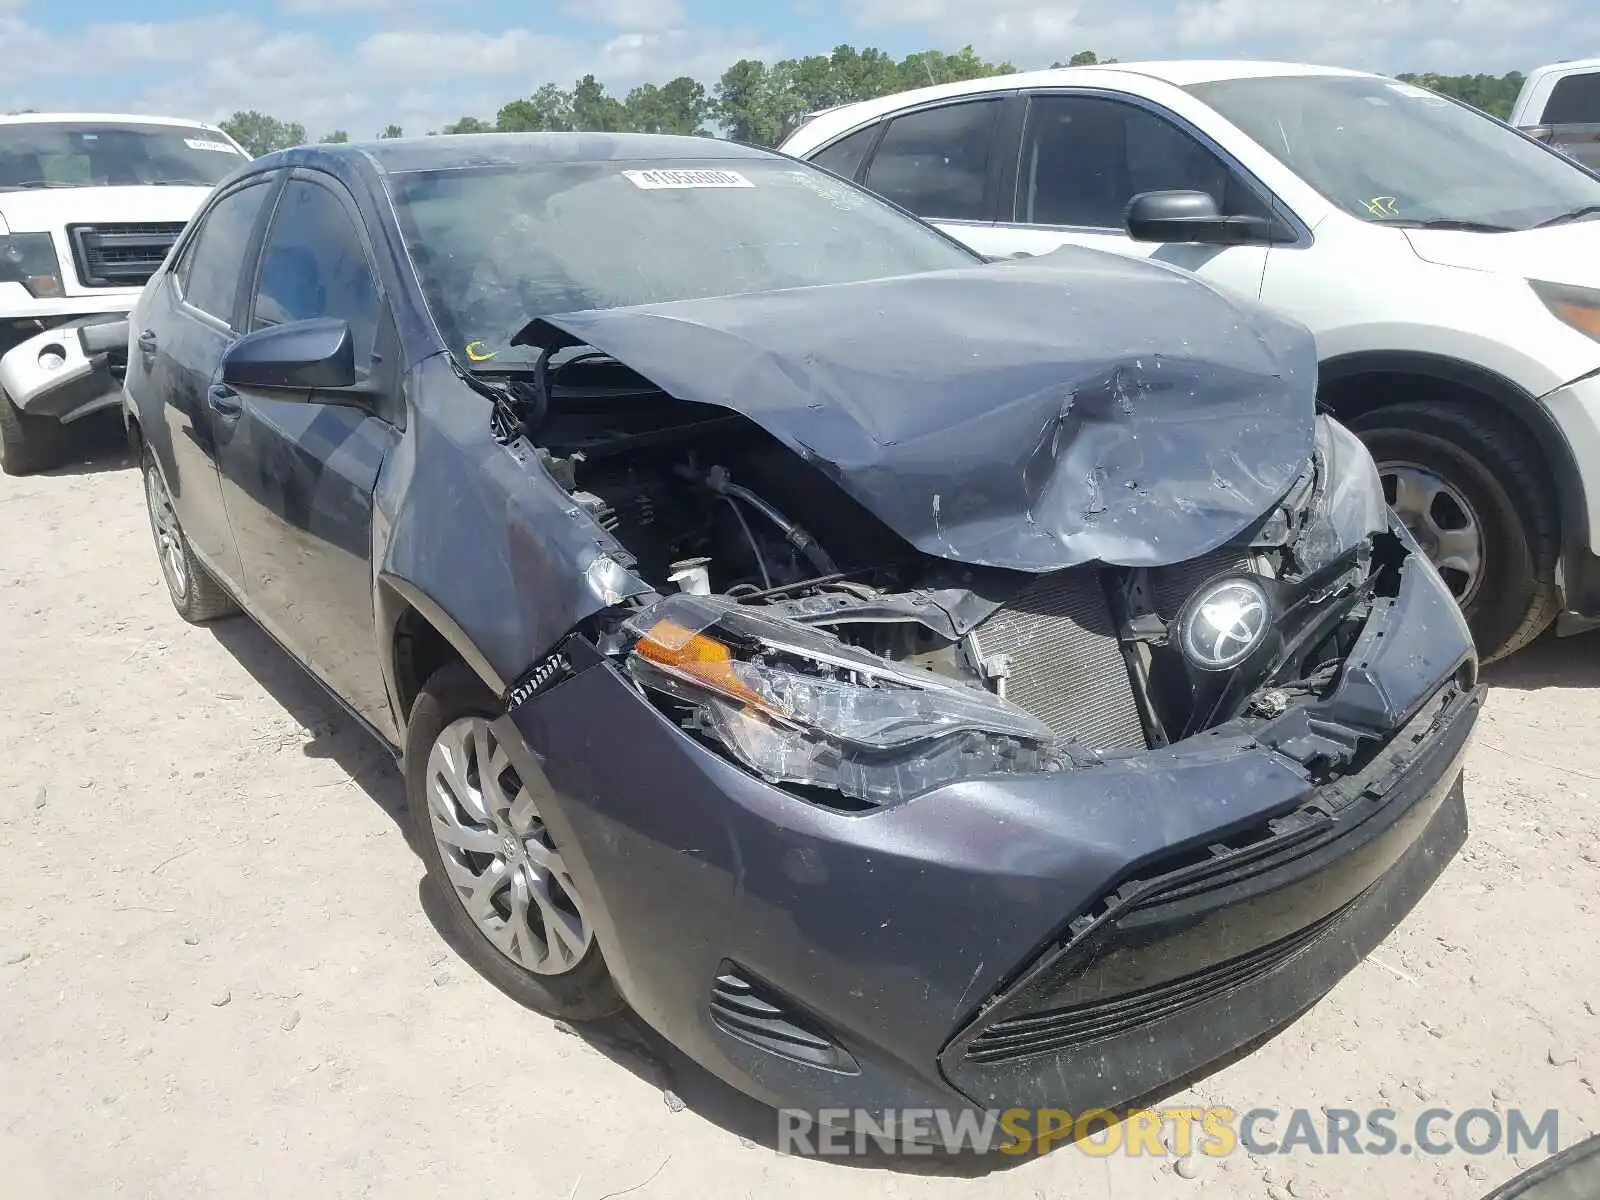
(902, 679)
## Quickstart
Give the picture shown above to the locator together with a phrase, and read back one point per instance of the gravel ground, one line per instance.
(219, 974)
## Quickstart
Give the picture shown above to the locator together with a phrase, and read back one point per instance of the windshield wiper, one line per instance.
(27, 185)
(1445, 223)
(177, 183)
(1576, 214)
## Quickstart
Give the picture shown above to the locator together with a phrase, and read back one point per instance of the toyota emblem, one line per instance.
(1223, 623)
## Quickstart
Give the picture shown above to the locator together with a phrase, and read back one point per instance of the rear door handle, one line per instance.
(147, 345)
(224, 400)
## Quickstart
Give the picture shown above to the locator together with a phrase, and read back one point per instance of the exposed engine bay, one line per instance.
(709, 505)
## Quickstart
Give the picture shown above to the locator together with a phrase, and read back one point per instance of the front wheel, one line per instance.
(1473, 494)
(509, 899)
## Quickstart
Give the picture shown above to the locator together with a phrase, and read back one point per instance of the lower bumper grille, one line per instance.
(1063, 1029)
(756, 1015)
(121, 255)
(1066, 665)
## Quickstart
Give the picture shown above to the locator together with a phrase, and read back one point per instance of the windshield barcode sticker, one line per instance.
(206, 144)
(1412, 92)
(687, 179)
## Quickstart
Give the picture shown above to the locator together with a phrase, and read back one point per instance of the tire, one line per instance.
(572, 982)
(29, 444)
(194, 591)
(1487, 462)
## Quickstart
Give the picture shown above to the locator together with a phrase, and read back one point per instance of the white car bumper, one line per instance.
(67, 372)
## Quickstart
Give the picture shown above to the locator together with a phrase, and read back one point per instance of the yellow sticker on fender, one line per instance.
(478, 352)
(677, 178)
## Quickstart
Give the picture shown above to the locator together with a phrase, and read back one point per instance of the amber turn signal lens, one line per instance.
(1580, 317)
(668, 644)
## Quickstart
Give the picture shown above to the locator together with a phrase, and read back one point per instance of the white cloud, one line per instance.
(420, 78)
(1386, 35)
(441, 54)
(628, 14)
(632, 58)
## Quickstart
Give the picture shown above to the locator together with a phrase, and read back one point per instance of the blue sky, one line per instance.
(358, 64)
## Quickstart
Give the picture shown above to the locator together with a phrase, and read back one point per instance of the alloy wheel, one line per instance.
(1442, 520)
(502, 865)
(168, 534)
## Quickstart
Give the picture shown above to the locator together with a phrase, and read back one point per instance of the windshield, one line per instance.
(1390, 152)
(93, 155)
(496, 247)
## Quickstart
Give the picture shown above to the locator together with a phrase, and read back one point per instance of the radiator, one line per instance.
(1066, 666)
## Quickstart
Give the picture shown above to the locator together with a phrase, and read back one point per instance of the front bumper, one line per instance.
(1575, 409)
(1094, 934)
(70, 370)
(1185, 968)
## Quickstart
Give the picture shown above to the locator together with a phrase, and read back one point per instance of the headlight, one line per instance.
(797, 706)
(1347, 506)
(1574, 306)
(30, 259)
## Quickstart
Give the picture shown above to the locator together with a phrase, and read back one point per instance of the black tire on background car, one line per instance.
(511, 907)
(195, 593)
(1461, 476)
(28, 443)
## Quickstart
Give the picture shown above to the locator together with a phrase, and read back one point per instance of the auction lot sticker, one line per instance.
(666, 178)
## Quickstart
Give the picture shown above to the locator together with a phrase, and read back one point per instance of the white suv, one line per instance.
(1448, 265)
(89, 206)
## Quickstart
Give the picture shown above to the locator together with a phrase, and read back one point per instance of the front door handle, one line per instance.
(224, 401)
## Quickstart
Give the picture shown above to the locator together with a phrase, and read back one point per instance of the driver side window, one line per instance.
(1084, 158)
(313, 265)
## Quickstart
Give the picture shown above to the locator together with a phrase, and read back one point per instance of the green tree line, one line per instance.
(761, 102)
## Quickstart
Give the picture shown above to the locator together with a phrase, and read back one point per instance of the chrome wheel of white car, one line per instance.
(501, 863)
(1474, 491)
(1443, 522)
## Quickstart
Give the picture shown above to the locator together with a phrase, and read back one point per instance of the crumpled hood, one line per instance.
(1034, 414)
(1567, 254)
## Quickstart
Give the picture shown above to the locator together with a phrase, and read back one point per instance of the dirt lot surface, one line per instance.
(219, 976)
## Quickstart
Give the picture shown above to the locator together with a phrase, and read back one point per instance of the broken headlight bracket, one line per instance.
(800, 708)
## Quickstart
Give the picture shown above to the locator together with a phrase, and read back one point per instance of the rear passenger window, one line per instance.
(210, 274)
(1575, 100)
(844, 156)
(935, 162)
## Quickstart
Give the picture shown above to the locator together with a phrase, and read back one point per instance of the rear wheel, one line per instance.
(197, 596)
(27, 443)
(510, 901)
(1472, 492)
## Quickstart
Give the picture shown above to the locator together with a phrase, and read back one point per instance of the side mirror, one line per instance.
(1190, 217)
(301, 356)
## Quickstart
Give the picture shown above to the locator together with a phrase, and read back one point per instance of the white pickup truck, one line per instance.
(1560, 104)
(89, 206)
